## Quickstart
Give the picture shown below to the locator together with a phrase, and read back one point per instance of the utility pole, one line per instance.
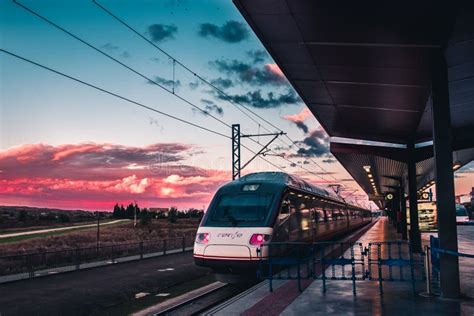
(135, 214)
(98, 230)
(235, 151)
(236, 161)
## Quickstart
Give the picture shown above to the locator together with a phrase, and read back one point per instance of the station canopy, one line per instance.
(364, 71)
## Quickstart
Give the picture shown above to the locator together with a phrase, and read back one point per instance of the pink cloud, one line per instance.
(298, 117)
(92, 176)
(274, 69)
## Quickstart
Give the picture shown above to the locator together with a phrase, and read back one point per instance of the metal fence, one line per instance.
(390, 261)
(432, 262)
(30, 263)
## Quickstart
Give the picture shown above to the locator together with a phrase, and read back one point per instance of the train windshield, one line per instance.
(241, 210)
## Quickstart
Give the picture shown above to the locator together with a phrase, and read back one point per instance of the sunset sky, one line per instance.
(66, 145)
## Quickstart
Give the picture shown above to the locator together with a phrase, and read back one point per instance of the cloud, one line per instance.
(257, 55)
(230, 32)
(329, 160)
(194, 84)
(255, 99)
(104, 161)
(110, 46)
(245, 73)
(210, 108)
(125, 54)
(316, 144)
(93, 175)
(222, 83)
(299, 118)
(114, 48)
(161, 32)
(169, 83)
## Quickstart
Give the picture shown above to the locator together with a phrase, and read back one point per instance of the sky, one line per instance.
(66, 145)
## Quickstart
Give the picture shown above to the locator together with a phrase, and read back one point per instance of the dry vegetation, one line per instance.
(109, 235)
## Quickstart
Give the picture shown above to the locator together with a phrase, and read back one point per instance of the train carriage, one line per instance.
(269, 206)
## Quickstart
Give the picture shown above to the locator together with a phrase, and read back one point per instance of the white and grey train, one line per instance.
(269, 206)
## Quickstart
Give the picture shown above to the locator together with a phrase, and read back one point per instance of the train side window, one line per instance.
(328, 215)
(319, 214)
(284, 209)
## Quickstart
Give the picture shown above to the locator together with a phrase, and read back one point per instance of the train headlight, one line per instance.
(259, 239)
(202, 238)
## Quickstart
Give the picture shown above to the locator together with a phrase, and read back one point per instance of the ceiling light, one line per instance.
(457, 165)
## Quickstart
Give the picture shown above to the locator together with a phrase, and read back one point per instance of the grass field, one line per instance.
(87, 237)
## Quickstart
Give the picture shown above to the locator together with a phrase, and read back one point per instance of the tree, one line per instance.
(22, 216)
(117, 213)
(195, 213)
(145, 217)
(64, 218)
(173, 214)
(130, 211)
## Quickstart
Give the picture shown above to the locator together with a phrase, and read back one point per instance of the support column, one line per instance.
(403, 209)
(396, 209)
(445, 200)
(415, 236)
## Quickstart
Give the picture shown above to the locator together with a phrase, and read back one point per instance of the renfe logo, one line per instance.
(230, 235)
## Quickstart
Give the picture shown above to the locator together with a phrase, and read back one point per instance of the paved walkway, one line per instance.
(398, 297)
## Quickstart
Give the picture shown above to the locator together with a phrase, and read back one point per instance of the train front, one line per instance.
(236, 224)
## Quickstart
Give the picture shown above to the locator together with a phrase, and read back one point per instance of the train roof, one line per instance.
(286, 179)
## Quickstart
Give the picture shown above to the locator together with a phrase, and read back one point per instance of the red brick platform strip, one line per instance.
(275, 302)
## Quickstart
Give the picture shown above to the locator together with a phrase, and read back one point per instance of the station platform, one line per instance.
(398, 298)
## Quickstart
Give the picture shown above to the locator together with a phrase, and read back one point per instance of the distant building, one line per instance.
(472, 196)
(163, 210)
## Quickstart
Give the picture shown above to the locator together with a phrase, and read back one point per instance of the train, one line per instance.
(268, 207)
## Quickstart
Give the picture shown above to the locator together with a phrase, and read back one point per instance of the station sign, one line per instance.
(389, 196)
(425, 196)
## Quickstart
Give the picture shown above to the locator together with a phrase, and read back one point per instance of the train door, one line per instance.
(282, 225)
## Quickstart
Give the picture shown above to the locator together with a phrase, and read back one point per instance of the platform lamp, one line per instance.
(457, 165)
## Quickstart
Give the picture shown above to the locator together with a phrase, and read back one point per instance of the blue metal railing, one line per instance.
(341, 261)
(432, 264)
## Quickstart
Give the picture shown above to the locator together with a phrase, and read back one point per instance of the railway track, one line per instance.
(196, 301)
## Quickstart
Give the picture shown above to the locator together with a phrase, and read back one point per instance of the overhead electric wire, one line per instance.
(118, 61)
(128, 100)
(168, 55)
(134, 71)
(229, 98)
(292, 163)
(156, 83)
(113, 93)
